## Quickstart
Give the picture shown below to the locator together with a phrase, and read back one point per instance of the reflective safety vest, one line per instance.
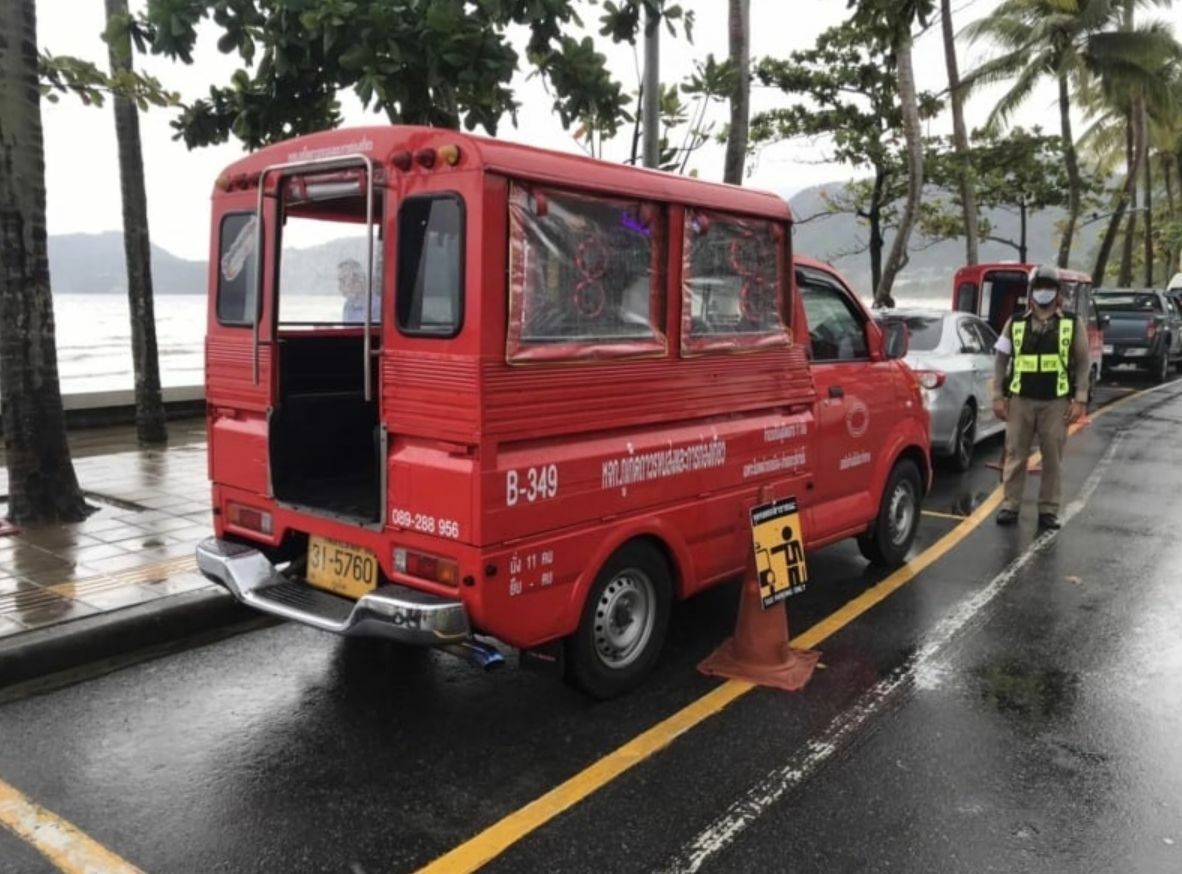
(1041, 372)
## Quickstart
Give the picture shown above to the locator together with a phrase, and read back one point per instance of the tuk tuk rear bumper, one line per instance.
(391, 611)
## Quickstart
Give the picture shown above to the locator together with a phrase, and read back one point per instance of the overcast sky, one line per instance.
(82, 168)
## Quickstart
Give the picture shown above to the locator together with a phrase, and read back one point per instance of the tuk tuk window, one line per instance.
(733, 272)
(431, 265)
(585, 276)
(324, 245)
(237, 257)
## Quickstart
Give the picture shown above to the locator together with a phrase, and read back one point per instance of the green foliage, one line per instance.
(438, 62)
(1083, 40)
(63, 74)
(1020, 170)
(852, 97)
(847, 94)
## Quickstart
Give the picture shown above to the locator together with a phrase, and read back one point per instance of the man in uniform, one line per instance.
(1040, 386)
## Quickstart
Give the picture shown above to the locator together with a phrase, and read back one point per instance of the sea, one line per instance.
(94, 338)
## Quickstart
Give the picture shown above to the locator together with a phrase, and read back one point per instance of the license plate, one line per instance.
(340, 568)
(1136, 353)
(1107, 350)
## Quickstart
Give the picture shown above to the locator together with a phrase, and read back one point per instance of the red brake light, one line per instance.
(403, 160)
(1151, 329)
(426, 157)
(426, 567)
(930, 378)
(249, 518)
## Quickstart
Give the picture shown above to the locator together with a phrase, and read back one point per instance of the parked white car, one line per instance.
(952, 355)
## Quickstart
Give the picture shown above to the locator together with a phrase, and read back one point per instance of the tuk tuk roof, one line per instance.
(510, 159)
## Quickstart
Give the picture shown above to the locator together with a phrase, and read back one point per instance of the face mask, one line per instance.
(1044, 297)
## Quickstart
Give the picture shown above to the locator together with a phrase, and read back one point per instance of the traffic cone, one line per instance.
(759, 652)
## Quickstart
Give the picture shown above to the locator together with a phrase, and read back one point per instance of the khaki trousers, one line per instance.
(1026, 420)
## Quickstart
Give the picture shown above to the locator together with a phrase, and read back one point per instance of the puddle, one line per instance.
(1015, 687)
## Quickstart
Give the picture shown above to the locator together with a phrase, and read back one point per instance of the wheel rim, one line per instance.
(901, 512)
(965, 432)
(624, 618)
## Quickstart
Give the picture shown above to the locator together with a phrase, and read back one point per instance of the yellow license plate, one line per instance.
(340, 568)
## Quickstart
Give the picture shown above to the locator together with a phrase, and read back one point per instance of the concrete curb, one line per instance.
(45, 651)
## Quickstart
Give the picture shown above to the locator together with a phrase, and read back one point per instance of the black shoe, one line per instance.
(1048, 522)
(1007, 517)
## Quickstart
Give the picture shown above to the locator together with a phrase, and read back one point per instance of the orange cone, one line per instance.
(759, 652)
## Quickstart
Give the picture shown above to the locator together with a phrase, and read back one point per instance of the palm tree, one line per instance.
(960, 136)
(1072, 42)
(739, 20)
(1124, 107)
(42, 486)
(137, 249)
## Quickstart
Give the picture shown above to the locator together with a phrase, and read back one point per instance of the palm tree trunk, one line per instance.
(1147, 165)
(1075, 186)
(740, 56)
(42, 486)
(1132, 158)
(897, 258)
(1109, 238)
(874, 218)
(149, 405)
(960, 137)
(1022, 232)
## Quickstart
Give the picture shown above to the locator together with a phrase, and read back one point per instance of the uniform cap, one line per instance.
(1044, 276)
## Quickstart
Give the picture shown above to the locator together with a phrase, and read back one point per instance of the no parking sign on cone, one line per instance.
(759, 652)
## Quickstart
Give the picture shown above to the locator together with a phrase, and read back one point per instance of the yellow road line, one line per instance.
(498, 837)
(61, 843)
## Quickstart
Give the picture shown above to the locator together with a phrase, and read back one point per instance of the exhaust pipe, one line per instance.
(477, 653)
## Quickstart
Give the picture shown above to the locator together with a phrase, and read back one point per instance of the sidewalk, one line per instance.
(135, 551)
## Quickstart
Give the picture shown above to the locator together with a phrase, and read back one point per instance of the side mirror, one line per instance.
(895, 340)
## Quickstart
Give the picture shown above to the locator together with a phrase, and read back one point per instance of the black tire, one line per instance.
(966, 439)
(891, 536)
(604, 659)
(1160, 369)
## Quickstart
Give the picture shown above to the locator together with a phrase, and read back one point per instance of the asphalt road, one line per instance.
(1015, 707)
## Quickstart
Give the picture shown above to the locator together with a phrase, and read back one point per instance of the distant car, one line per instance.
(952, 356)
(1144, 328)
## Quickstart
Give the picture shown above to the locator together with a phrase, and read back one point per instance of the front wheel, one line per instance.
(624, 620)
(891, 536)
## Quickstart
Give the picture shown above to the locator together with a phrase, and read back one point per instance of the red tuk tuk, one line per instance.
(461, 386)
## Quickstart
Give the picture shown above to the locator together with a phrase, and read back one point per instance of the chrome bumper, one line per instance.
(391, 611)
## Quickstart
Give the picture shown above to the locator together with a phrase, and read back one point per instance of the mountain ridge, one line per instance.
(94, 263)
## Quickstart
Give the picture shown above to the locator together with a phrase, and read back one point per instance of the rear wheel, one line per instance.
(624, 621)
(966, 438)
(1160, 368)
(893, 532)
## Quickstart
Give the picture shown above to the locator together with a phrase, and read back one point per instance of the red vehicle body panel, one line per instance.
(673, 447)
(996, 291)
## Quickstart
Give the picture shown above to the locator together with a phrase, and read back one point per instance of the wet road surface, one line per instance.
(984, 717)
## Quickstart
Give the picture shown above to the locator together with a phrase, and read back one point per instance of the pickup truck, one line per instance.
(1143, 328)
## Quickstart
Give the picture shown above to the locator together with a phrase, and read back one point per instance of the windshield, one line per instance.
(1145, 303)
(925, 331)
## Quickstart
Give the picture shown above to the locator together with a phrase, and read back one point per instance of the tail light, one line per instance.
(1151, 329)
(930, 378)
(250, 518)
(426, 567)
